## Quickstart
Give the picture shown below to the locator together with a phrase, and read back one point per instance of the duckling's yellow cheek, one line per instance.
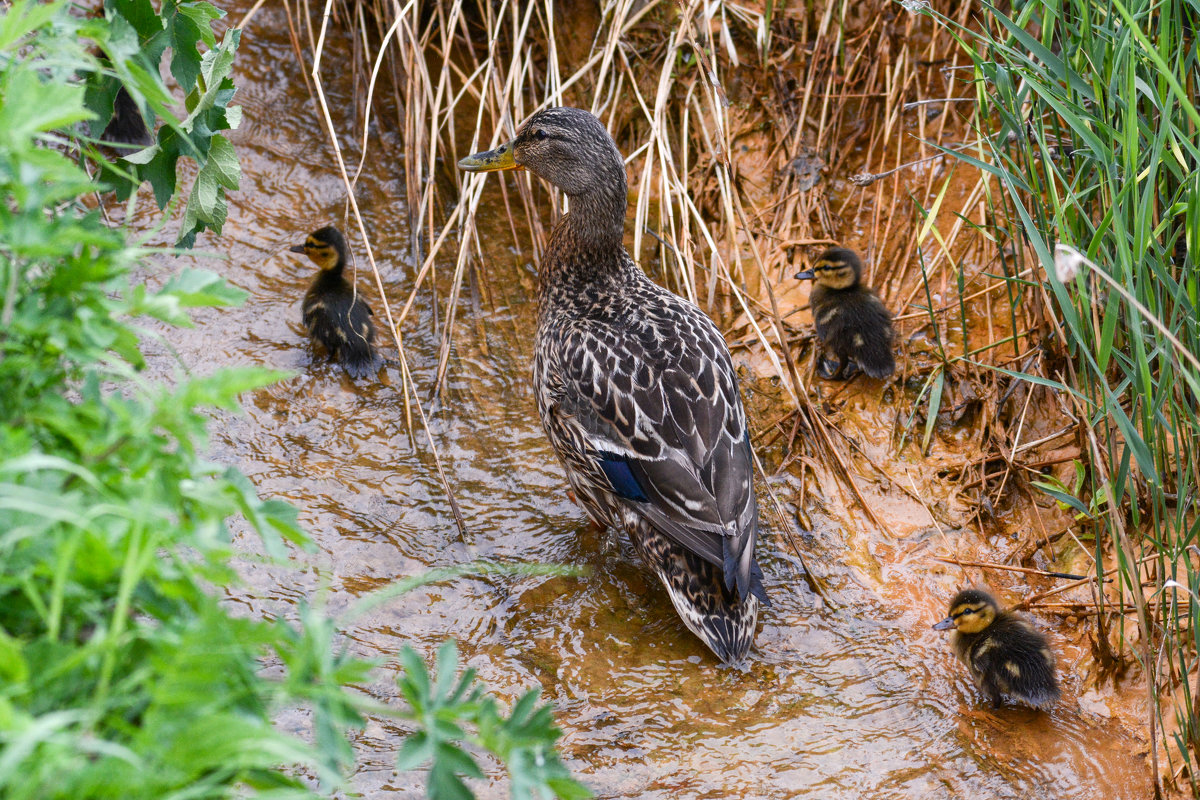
(972, 623)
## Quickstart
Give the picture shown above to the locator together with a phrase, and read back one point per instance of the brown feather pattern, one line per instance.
(627, 373)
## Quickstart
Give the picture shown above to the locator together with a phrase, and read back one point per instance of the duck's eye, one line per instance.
(540, 135)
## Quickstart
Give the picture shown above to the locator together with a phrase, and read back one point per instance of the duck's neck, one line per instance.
(335, 271)
(597, 219)
(587, 244)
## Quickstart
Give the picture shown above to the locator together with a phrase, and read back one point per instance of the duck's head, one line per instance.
(971, 611)
(325, 247)
(836, 268)
(568, 147)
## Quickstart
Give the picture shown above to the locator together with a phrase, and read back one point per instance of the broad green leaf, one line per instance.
(222, 163)
(30, 106)
(198, 287)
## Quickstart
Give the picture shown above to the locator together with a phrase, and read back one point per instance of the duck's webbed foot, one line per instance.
(993, 692)
(841, 370)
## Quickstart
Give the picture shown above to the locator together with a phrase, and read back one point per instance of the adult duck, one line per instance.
(637, 392)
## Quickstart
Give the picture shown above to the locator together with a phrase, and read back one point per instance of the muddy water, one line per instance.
(858, 698)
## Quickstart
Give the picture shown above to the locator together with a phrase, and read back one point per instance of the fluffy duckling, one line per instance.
(1002, 651)
(852, 322)
(127, 129)
(335, 315)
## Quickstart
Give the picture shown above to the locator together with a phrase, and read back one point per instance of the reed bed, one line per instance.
(755, 136)
(955, 147)
(1090, 124)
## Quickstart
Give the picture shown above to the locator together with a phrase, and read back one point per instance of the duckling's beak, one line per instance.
(944, 625)
(296, 248)
(491, 160)
(806, 275)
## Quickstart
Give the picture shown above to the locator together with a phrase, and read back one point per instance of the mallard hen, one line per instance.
(637, 392)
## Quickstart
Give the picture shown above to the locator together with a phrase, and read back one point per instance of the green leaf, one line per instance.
(140, 14)
(31, 106)
(193, 288)
(416, 750)
(21, 19)
(568, 788)
(1067, 500)
(187, 24)
(222, 164)
(457, 760)
(445, 785)
(938, 381)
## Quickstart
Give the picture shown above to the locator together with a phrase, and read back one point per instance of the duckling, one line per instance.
(1002, 651)
(127, 129)
(637, 391)
(851, 320)
(335, 315)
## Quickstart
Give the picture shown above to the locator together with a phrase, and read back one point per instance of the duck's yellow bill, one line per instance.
(491, 160)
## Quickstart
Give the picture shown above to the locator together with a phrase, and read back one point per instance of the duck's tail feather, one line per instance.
(721, 618)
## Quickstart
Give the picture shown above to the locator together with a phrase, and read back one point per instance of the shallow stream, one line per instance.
(854, 699)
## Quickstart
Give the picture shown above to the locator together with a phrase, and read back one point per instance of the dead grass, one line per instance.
(754, 139)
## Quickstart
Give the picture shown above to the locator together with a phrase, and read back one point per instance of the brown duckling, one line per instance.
(1002, 651)
(852, 322)
(335, 315)
(127, 129)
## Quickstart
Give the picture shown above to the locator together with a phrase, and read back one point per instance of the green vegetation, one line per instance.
(1090, 121)
(122, 674)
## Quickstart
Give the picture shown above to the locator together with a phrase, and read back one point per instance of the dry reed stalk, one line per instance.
(818, 97)
(406, 375)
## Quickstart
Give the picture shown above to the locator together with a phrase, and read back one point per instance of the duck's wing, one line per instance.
(655, 399)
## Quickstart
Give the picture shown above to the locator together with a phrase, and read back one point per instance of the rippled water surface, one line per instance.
(852, 699)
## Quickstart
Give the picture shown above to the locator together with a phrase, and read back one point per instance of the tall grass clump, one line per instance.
(1089, 121)
(123, 674)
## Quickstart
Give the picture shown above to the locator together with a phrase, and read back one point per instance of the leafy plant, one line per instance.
(122, 672)
(124, 675)
(134, 39)
(442, 705)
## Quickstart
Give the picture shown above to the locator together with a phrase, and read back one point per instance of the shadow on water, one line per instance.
(860, 700)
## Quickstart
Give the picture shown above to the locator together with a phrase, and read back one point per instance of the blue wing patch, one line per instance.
(617, 470)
